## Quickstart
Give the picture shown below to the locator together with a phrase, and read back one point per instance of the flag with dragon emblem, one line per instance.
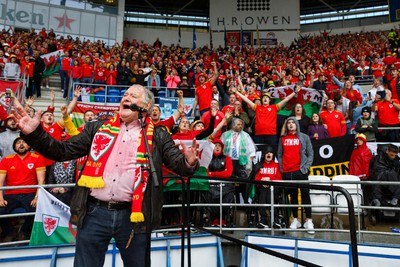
(51, 225)
(206, 149)
(311, 99)
(52, 62)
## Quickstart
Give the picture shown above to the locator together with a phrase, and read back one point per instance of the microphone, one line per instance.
(135, 107)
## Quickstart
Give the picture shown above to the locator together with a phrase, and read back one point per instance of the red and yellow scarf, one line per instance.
(101, 148)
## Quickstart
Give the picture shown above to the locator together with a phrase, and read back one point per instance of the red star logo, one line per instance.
(64, 21)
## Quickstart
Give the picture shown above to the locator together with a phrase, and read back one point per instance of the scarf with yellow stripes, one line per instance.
(102, 145)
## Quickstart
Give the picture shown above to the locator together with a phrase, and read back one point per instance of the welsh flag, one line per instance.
(310, 99)
(206, 149)
(51, 225)
(51, 61)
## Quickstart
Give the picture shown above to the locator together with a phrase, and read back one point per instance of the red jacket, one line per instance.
(359, 162)
(111, 77)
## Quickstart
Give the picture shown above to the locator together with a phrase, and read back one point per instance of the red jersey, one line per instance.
(387, 113)
(169, 123)
(335, 122)
(270, 171)
(87, 70)
(66, 63)
(29, 67)
(206, 118)
(100, 74)
(377, 73)
(55, 130)
(266, 117)
(228, 108)
(22, 171)
(290, 153)
(256, 94)
(353, 95)
(76, 72)
(204, 95)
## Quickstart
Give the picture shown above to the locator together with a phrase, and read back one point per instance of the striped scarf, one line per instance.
(102, 145)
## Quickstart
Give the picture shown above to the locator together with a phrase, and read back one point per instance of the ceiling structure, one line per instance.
(201, 7)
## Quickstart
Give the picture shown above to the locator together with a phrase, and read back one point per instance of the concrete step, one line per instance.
(43, 102)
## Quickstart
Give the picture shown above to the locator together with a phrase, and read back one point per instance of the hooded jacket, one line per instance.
(306, 150)
(360, 161)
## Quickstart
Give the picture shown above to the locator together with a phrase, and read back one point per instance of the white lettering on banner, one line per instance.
(261, 21)
(292, 142)
(21, 16)
(233, 15)
(326, 148)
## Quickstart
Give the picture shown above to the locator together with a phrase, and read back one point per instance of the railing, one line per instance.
(110, 91)
(186, 206)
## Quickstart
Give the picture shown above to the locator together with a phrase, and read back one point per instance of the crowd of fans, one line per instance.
(230, 86)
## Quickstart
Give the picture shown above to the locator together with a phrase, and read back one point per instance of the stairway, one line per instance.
(43, 102)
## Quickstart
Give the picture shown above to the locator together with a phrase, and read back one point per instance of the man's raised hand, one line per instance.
(24, 122)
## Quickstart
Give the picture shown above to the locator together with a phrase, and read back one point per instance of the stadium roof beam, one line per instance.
(153, 7)
(328, 5)
(353, 6)
(182, 8)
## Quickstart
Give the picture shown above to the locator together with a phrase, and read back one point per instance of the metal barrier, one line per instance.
(186, 205)
(161, 91)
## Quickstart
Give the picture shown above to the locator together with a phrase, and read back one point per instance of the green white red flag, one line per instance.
(311, 99)
(51, 224)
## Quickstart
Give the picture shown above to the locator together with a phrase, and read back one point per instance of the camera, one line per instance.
(8, 92)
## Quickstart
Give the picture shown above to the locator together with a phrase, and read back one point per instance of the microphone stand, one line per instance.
(150, 183)
(153, 171)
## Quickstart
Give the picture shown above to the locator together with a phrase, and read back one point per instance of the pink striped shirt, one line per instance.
(119, 171)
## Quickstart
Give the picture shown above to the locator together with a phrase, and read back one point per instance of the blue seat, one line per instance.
(99, 96)
(162, 93)
(18, 210)
(113, 95)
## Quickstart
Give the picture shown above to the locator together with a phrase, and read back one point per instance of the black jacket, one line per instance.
(39, 67)
(164, 151)
(385, 169)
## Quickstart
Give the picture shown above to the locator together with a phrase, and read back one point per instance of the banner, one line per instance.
(233, 38)
(246, 38)
(13, 85)
(52, 63)
(51, 225)
(332, 155)
(267, 14)
(102, 112)
(311, 99)
(168, 106)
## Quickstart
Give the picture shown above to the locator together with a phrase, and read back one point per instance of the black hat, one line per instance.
(15, 141)
(269, 149)
(366, 109)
